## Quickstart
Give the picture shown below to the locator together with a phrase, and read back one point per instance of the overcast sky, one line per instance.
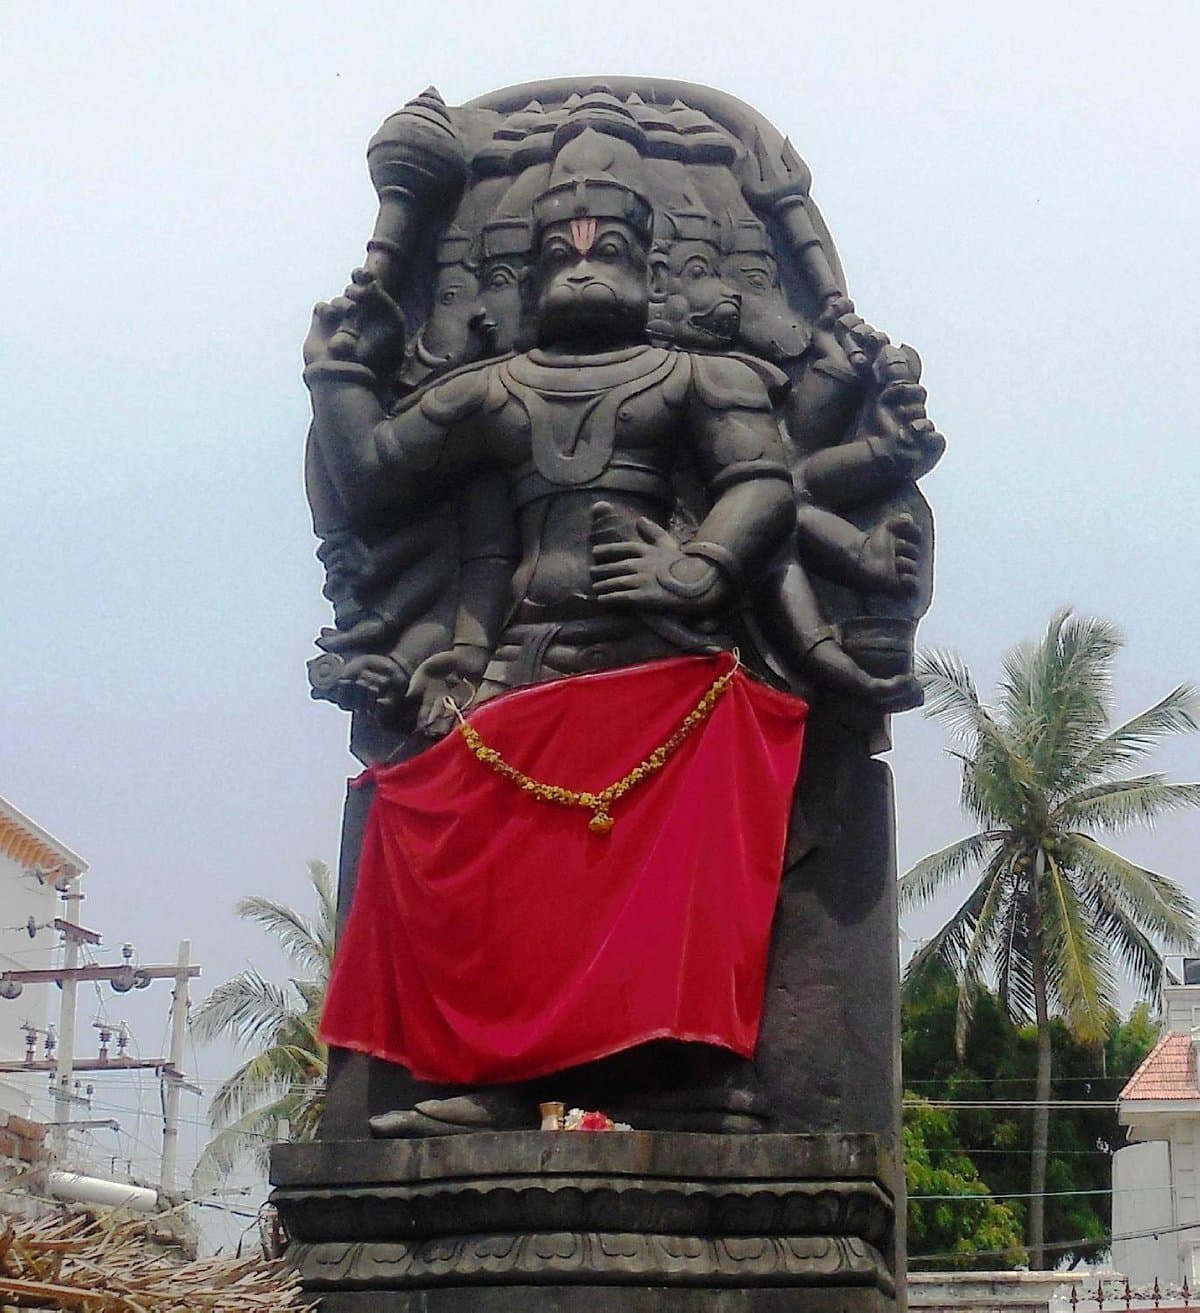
(1013, 190)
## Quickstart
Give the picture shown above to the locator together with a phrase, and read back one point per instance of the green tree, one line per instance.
(283, 1078)
(1053, 910)
(998, 1067)
(952, 1217)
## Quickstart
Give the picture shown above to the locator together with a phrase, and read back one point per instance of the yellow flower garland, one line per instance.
(599, 804)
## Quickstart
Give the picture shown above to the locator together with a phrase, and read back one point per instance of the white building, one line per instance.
(1156, 1179)
(31, 861)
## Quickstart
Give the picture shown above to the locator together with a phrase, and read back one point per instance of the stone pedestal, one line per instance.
(805, 1217)
(594, 1222)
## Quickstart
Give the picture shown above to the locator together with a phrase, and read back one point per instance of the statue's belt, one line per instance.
(527, 484)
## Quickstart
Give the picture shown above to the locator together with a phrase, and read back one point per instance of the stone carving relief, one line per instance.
(705, 255)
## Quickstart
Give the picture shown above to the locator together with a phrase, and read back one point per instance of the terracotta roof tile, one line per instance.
(30, 846)
(1167, 1072)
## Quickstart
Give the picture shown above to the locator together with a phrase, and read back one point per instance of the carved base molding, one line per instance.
(637, 1220)
(591, 1258)
(607, 1299)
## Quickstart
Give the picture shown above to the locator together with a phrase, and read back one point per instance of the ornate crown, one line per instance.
(587, 181)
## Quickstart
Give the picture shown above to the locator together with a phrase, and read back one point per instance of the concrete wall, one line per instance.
(1142, 1201)
(1156, 1182)
(1181, 1004)
(23, 895)
(995, 1292)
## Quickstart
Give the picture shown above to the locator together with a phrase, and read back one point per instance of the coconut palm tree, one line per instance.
(283, 1079)
(1053, 911)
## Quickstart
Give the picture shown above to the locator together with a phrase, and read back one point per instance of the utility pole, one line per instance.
(65, 1065)
(172, 1078)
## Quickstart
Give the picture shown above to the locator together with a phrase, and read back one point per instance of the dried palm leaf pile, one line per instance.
(83, 1264)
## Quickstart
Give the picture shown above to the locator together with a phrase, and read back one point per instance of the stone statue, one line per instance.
(597, 398)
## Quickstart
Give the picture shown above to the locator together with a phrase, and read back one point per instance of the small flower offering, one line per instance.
(579, 1119)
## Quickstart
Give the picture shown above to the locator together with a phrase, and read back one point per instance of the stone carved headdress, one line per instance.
(595, 176)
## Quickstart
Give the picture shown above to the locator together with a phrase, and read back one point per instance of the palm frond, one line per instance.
(999, 789)
(312, 992)
(1016, 688)
(249, 1008)
(259, 1080)
(1014, 969)
(922, 882)
(1077, 966)
(981, 946)
(950, 693)
(265, 1077)
(252, 1135)
(296, 934)
(1120, 804)
(1122, 934)
(325, 922)
(950, 943)
(996, 777)
(1071, 680)
(1177, 713)
(1154, 901)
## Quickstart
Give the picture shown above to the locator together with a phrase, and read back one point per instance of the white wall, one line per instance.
(1182, 1007)
(22, 895)
(1142, 1200)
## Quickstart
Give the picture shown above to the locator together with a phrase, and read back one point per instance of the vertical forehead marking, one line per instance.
(583, 234)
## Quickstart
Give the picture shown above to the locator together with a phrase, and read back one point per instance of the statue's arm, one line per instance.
(856, 414)
(895, 442)
(853, 472)
(347, 416)
(489, 552)
(328, 513)
(893, 439)
(735, 439)
(821, 406)
(380, 462)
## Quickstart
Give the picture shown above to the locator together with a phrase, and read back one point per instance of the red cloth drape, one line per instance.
(494, 938)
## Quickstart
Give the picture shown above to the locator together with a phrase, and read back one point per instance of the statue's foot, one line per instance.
(727, 1109)
(890, 559)
(483, 1110)
(697, 1120)
(365, 634)
(739, 1099)
(409, 1124)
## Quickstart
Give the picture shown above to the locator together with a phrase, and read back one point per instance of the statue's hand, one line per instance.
(455, 674)
(363, 325)
(898, 429)
(372, 680)
(375, 331)
(843, 337)
(836, 669)
(890, 556)
(652, 571)
(325, 325)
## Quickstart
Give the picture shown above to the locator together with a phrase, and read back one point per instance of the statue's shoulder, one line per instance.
(463, 393)
(733, 381)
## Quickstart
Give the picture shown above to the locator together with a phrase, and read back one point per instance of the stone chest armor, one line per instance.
(574, 413)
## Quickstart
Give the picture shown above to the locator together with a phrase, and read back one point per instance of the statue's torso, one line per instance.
(572, 432)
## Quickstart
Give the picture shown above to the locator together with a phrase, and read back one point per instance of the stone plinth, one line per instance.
(614, 1221)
